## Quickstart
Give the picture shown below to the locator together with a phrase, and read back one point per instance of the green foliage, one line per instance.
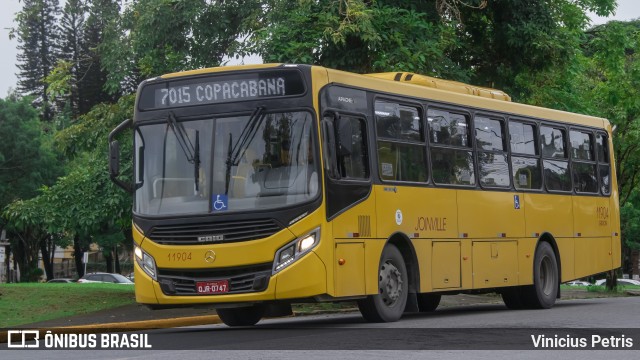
(26, 163)
(154, 37)
(358, 36)
(60, 80)
(38, 49)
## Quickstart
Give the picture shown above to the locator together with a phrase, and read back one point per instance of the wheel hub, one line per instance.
(390, 283)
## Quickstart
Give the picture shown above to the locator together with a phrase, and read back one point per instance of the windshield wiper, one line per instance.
(246, 136)
(190, 151)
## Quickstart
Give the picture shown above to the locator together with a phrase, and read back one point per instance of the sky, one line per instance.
(627, 10)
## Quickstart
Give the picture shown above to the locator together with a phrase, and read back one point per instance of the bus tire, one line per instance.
(542, 294)
(428, 302)
(512, 298)
(393, 288)
(241, 316)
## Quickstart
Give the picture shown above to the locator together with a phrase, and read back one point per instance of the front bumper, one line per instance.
(303, 279)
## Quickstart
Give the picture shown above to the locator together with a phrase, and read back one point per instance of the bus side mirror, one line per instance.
(329, 148)
(114, 158)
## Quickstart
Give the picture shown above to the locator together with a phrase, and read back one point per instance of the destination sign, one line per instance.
(221, 89)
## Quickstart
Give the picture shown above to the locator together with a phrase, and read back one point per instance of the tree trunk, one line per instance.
(8, 263)
(117, 259)
(47, 258)
(78, 254)
(108, 257)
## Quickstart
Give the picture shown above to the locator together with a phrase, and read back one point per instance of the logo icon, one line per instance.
(210, 256)
(220, 202)
(24, 336)
(210, 238)
(398, 217)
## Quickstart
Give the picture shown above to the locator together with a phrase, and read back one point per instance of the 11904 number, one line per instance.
(179, 256)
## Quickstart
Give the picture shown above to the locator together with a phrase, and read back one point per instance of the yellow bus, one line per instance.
(260, 186)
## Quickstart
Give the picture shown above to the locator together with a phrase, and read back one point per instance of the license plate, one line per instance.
(212, 287)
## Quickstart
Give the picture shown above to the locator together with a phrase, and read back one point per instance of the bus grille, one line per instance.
(221, 232)
(243, 279)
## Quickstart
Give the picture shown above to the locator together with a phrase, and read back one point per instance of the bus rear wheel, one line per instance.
(241, 316)
(393, 285)
(542, 294)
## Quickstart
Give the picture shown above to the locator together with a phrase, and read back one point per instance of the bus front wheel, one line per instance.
(542, 294)
(393, 285)
(241, 316)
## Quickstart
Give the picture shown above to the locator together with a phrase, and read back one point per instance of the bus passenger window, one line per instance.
(585, 179)
(552, 141)
(451, 155)
(492, 156)
(401, 147)
(452, 167)
(448, 128)
(602, 150)
(525, 162)
(353, 161)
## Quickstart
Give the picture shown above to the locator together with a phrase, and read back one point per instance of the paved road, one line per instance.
(490, 331)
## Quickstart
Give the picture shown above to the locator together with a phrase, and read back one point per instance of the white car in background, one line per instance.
(621, 282)
(104, 278)
(579, 283)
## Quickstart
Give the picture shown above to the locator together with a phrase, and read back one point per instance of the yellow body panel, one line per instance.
(526, 253)
(445, 268)
(425, 212)
(594, 256)
(566, 247)
(305, 278)
(349, 267)
(548, 213)
(489, 214)
(495, 264)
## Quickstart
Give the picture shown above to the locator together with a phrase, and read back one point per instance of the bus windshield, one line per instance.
(225, 164)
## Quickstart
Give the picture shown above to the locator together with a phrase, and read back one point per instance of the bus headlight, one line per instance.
(294, 250)
(146, 262)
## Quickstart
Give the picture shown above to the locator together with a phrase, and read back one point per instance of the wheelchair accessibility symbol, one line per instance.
(219, 202)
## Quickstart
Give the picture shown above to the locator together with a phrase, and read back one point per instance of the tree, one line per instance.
(72, 27)
(91, 68)
(154, 37)
(360, 36)
(26, 163)
(38, 47)
(88, 205)
(509, 39)
(489, 43)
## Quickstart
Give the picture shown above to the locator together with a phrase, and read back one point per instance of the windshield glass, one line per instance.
(237, 163)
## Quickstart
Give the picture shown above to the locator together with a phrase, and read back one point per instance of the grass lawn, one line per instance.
(32, 302)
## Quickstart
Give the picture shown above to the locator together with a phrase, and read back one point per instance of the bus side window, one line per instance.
(604, 170)
(452, 158)
(525, 158)
(400, 142)
(557, 175)
(585, 179)
(351, 136)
